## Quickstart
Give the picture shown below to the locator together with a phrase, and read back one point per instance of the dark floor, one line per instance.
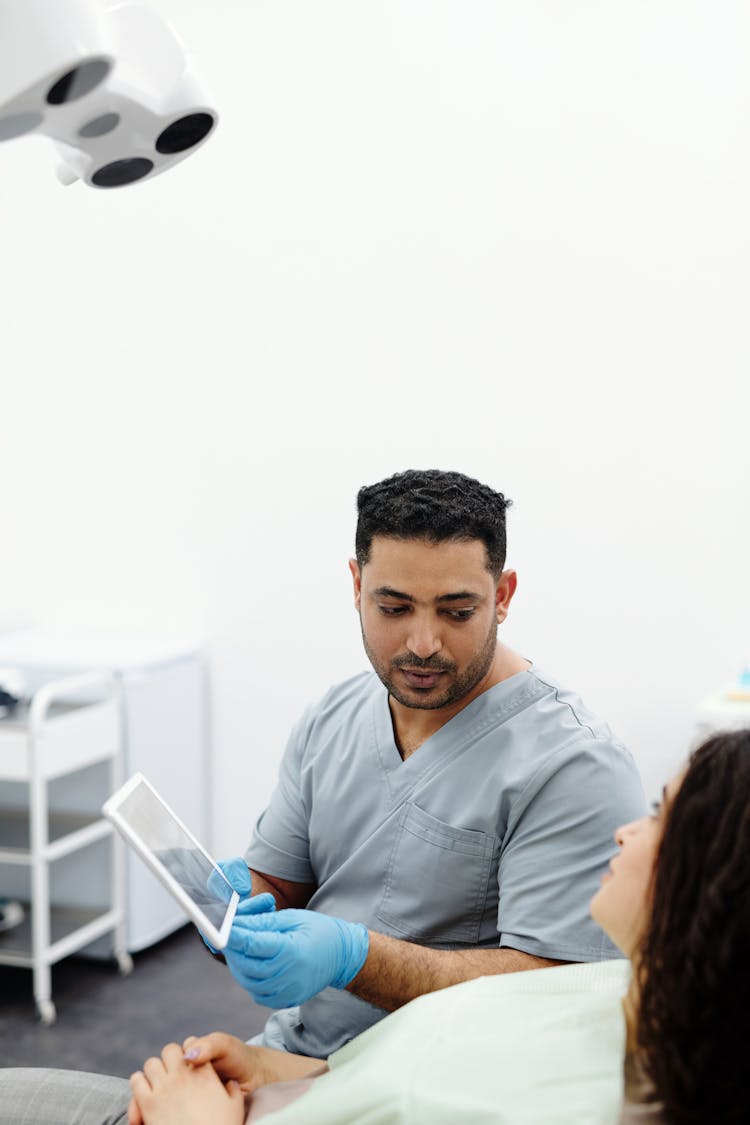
(111, 1024)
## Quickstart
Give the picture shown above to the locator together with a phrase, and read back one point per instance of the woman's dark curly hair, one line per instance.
(694, 961)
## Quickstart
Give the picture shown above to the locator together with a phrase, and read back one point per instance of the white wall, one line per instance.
(506, 238)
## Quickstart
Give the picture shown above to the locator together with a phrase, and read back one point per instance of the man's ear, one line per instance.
(357, 580)
(506, 588)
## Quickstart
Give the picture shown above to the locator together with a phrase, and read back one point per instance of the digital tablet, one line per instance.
(175, 857)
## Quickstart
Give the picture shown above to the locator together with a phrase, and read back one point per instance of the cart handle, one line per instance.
(50, 693)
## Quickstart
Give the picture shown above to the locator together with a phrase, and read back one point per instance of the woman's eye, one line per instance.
(655, 809)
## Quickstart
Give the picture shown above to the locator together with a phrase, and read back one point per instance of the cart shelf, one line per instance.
(67, 832)
(61, 731)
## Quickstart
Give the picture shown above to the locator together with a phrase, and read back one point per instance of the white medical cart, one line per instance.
(70, 724)
(163, 687)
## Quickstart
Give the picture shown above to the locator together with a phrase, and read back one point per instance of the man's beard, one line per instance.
(460, 687)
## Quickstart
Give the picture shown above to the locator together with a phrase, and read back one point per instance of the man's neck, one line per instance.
(412, 726)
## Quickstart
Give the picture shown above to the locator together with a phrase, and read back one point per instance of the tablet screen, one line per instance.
(151, 824)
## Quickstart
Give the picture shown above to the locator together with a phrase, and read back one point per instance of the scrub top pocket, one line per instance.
(437, 879)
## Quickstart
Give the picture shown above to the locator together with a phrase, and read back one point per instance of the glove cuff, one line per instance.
(355, 941)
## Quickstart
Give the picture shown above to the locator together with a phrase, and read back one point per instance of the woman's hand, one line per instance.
(245, 1064)
(168, 1091)
(232, 1060)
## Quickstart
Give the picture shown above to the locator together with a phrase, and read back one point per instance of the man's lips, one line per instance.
(420, 679)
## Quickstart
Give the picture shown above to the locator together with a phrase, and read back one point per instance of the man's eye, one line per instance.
(392, 610)
(460, 614)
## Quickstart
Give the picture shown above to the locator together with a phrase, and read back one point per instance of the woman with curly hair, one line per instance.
(541, 1046)
(690, 993)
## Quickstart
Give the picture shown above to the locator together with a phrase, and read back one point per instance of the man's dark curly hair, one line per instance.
(694, 965)
(433, 505)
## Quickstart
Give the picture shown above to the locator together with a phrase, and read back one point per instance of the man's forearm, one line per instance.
(286, 893)
(396, 972)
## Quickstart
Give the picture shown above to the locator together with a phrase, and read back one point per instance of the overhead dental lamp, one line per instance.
(107, 81)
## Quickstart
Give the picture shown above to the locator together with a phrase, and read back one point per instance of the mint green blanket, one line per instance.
(542, 1046)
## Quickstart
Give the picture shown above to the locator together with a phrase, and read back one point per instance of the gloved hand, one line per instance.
(236, 872)
(238, 875)
(283, 959)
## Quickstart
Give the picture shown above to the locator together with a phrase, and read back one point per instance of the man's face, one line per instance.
(429, 615)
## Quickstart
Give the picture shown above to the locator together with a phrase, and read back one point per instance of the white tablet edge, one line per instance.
(111, 810)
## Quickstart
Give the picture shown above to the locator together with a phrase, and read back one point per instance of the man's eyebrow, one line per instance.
(389, 592)
(460, 596)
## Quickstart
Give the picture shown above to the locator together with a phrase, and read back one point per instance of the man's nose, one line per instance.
(423, 640)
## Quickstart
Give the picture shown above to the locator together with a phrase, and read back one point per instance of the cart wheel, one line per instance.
(47, 1012)
(124, 964)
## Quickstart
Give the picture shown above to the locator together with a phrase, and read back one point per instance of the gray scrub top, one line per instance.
(495, 832)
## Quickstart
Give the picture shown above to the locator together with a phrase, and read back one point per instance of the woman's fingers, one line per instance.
(140, 1086)
(170, 1090)
(231, 1058)
(153, 1069)
(134, 1113)
(200, 1049)
(209, 1048)
(235, 1092)
(156, 1069)
(172, 1057)
(217, 1047)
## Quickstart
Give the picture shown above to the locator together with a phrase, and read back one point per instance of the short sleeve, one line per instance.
(280, 844)
(559, 841)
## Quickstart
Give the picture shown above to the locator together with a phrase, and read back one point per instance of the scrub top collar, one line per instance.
(490, 709)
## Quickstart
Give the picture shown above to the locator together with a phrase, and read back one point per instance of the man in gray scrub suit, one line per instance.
(446, 817)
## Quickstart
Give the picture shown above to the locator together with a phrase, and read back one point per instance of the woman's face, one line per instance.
(620, 906)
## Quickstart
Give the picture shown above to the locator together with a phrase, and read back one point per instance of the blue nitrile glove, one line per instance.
(237, 873)
(283, 959)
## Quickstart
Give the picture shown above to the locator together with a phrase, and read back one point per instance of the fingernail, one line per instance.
(192, 1053)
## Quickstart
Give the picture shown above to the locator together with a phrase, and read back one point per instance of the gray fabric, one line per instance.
(36, 1096)
(494, 832)
(39, 1096)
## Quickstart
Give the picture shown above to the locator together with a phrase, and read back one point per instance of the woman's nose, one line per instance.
(626, 830)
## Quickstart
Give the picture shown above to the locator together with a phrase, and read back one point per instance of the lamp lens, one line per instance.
(78, 81)
(121, 172)
(184, 133)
